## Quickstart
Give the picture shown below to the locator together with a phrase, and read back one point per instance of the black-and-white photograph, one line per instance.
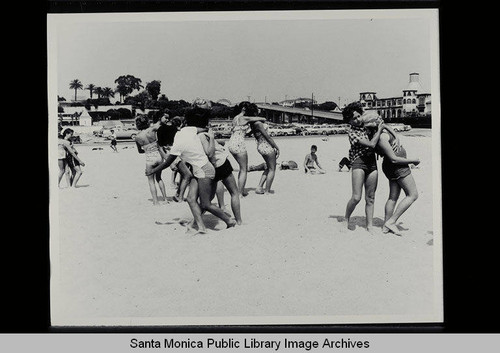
(245, 168)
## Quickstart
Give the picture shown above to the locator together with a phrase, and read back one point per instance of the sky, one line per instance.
(241, 56)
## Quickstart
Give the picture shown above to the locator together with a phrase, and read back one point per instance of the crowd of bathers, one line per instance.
(187, 145)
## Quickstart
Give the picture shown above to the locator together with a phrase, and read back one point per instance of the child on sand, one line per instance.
(112, 137)
(311, 160)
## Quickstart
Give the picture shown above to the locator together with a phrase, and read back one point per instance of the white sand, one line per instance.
(124, 261)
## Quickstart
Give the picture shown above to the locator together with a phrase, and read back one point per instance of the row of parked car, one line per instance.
(119, 131)
(224, 130)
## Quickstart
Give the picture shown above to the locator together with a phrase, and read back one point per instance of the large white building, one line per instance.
(413, 102)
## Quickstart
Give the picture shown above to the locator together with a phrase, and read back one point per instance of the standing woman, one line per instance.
(246, 113)
(147, 144)
(363, 163)
(64, 150)
(269, 151)
(396, 169)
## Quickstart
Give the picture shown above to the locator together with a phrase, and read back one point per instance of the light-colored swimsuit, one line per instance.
(263, 147)
(61, 151)
(236, 143)
(153, 156)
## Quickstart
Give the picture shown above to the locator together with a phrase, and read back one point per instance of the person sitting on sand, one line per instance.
(245, 114)
(187, 146)
(63, 149)
(396, 169)
(112, 137)
(311, 161)
(147, 144)
(344, 162)
(289, 165)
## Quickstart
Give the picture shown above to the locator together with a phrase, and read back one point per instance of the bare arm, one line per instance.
(396, 144)
(373, 142)
(208, 145)
(70, 150)
(251, 119)
(305, 162)
(139, 147)
(317, 163)
(389, 153)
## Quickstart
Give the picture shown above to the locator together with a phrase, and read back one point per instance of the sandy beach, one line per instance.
(119, 260)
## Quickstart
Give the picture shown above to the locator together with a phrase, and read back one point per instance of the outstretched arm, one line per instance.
(251, 119)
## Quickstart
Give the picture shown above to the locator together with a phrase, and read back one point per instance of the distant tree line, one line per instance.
(148, 97)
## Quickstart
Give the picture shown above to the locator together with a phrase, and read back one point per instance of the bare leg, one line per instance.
(232, 187)
(220, 195)
(76, 175)
(262, 181)
(192, 200)
(161, 184)
(390, 205)
(152, 189)
(242, 159)
(370, 188)
(186, 176)
(358, 178)
(271, 170)
(62, 170)
(410, 189)
(204, 191)
(69, 175)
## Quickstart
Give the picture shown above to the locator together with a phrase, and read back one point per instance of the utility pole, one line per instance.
(312, 106)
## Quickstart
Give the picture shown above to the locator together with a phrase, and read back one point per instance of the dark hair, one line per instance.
(348, 111)
(67, 131)
(197, 117)
(250, 109)
(176, 121)
(315, 147)
(141, 122)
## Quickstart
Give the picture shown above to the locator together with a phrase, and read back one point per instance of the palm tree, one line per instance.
(91, 88)
(107, 92)
(127, 84)
(76, 85)
(98, 90)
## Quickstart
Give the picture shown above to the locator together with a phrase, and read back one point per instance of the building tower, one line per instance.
(410, 99)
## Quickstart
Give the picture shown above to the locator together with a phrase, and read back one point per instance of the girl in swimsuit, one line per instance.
(147, 144)
(395, 168)
(74, 166)
(269, 151)
(64, 150)
(246, 113)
